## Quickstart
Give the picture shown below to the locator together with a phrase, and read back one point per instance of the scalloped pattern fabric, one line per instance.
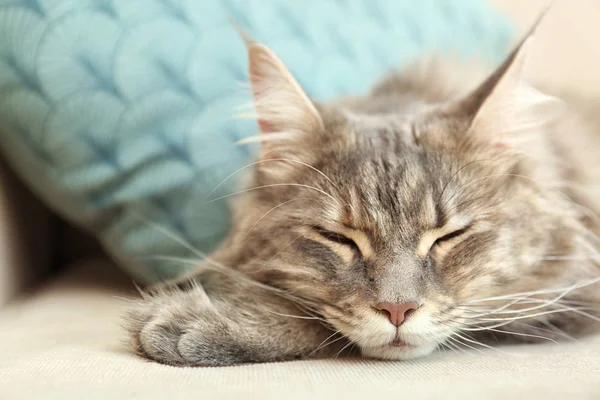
(119, 114)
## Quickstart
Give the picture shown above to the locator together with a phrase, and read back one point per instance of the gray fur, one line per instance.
(386, 169)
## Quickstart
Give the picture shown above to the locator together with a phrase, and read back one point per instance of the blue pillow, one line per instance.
(119, 113)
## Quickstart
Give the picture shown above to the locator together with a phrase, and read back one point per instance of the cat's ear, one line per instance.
(282, 107)
(504, 103)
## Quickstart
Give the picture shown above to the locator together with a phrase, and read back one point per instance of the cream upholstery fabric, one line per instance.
(64, 342)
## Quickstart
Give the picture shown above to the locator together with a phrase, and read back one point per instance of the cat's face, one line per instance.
(362, 214)
(387, 219)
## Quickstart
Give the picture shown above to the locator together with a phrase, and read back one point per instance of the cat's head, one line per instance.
(397, 215)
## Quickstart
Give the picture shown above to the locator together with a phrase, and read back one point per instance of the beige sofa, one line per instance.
(60, 336)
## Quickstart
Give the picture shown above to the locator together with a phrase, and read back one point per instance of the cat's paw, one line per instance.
(185, 329)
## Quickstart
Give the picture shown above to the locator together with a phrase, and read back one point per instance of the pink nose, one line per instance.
(397, 313)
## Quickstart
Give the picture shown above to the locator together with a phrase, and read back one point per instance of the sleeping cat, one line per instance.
(441, 209)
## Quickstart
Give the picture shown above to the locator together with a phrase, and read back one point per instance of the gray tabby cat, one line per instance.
(432, 212)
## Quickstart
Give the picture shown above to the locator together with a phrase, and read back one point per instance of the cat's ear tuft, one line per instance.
(504, 104)
(282, 106)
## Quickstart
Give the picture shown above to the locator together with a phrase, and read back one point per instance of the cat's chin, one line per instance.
(391, 352)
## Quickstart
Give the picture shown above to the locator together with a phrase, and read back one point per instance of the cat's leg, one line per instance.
(234, 324)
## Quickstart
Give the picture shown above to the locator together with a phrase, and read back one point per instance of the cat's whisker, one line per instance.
(295, 316)
(588, 233)
(289, 160)
(342, 349)
(582, 311)
(545, 303)
(564, 258)
(181, 260)
(135, 300)
(271, 210)
(321, 347)
(500, 310)
(470, 313)
(513, 320)
(474, 181)
(326, 342)
(459, 171)
(476, 342)
(300, 185)
(143, 294)
(241, 276)
(173, 236)
(580, 303)
(442, 347)
(453, 347)
(268, 263)
(508, 320)
(579, 285)
(522, 334)
(462, 204)
(483, 307)
(460, 343)
(585, 210)
(209, 263)
(554, 330)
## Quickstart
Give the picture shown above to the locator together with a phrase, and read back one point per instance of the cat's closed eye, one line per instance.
(446, 241)
(339, 239)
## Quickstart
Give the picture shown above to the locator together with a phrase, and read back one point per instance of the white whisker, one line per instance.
(343, 348)
(451, 346)
(266, 264)
(215, 266)
(535, 292)
(325, 342)
(553, 329)
(545, 303)
(270, 186)
(271, 210)
(506, 321)
(565, 258)
(464, 344)
(477, 343)
(294, 316)
(523, 334)
(264, 161)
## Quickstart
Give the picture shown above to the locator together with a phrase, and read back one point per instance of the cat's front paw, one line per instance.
(184, 329)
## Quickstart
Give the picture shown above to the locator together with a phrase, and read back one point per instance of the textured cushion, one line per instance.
(65, 343)
(120, 112)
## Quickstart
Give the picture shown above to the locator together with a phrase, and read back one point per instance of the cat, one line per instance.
(442, 209)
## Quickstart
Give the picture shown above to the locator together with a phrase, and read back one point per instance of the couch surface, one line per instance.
(62, 339)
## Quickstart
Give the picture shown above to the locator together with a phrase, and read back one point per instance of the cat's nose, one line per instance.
(397, 313)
